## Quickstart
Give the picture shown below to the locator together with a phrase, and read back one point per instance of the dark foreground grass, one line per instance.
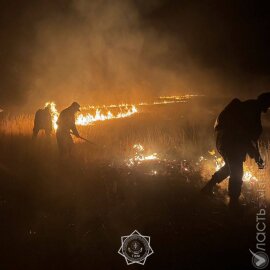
(71, 215)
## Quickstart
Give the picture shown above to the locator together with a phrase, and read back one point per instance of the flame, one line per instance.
(84, 120)
(219, 163)
(183, 97)
(159, 100)
(139, 156)
(54, 113)
(126, 110)
(248, 176)
(174, 99)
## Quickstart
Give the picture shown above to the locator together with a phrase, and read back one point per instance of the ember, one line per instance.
(139, 156)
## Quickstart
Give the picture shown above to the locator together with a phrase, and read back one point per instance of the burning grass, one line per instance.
(143, 173)
(90, 114)
(158, 140)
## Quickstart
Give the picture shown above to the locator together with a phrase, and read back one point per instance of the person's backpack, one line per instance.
(228, 119)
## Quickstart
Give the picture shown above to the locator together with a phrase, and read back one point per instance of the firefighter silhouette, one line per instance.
(66, 125)
(43, 121)
(238, 128)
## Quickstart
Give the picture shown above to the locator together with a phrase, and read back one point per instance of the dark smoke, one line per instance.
(128, 50)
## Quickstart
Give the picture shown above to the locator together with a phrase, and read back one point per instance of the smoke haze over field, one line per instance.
(108, 51)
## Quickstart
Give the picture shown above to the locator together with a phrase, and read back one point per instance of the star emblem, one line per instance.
(135, 248)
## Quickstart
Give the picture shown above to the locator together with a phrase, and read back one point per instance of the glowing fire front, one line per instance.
(88, 118)
(124, 110)
(54, 113)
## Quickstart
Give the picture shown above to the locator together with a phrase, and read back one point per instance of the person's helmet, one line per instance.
(264, 101)
(76, 106)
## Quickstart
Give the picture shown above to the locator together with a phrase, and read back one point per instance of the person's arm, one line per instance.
(254, 152)
(254, 130)
(75, 131)
(256, 135)
(258, 157)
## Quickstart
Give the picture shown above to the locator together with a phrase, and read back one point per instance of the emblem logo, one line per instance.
(260, 259)
(135, 248)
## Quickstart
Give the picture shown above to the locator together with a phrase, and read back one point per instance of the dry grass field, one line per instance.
(71, 214)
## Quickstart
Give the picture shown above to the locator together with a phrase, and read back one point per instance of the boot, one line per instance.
(235, 206)
(235, 185)
(208, 188)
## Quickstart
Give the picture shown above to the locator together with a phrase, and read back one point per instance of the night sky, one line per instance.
(131, 49)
